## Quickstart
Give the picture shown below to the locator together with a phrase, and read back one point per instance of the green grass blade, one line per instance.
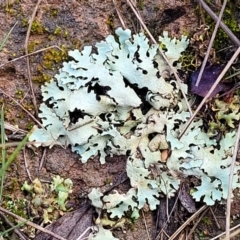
(3, 150)
(12, 228)
(14, 155)
(6, 38)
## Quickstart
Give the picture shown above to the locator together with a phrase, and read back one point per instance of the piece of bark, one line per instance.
(71, 225)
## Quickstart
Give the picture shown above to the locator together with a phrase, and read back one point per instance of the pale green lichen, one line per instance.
(116, 101)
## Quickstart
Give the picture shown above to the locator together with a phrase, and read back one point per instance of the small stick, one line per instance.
(28, 222)
(217, 223)
(187, 222)
(145, 224)
(162, 53)
(235, 55)
(27, 58)
(119, 15)
(16, 231)
(220, 235)
(30, 54)
(231, 35)
(230, 184)
(42, 160)
(196, 224)
(211, 43)
(26, 164)
(24, 109)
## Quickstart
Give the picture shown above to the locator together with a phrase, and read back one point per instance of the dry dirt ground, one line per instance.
(74, 24)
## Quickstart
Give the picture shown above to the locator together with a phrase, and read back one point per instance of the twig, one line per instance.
(26, 164)
(196, 224)
(166, 222)
(211, 43)
(230, 184)
(231, 35)
(119, 15)
(30, 54)
(24, 109)
(187, 222)
(16, 231)
(42, 160)
(162, 53)
(28, 222)
(27, 58)
(210, 91)
(145, 224)
(216, 221)
(220, 235)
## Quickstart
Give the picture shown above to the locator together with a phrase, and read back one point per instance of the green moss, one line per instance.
(19, 94)
(109, 22)
(54, 56)
(108, 181)
(53, 12)
(41, 78)
(29, 126)
(57, 31)
(38, 28)
(32, 45)
(230, 19)
(140, 4)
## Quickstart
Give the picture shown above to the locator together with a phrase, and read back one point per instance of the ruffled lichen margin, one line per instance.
(116, 99)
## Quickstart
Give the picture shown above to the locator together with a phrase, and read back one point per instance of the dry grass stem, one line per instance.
(26, 164)
(145, 224)
(211, 43)
(14, 129)
(164, 225)
(30, 54)
(237, 228)
(27, 58)
(162, 53)
(215, 219)
(229, 198)
(231, 35)
(31, 224)
(235, 55)
(16, 231)
(187, 222)
(196, 223)
(42, 160)
(24, 109)
(119, 15)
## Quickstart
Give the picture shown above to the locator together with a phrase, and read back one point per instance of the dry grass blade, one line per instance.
(14, 129)
(196, 224)
(234, 39)
(119, 15)
(24, 109)
(230, 184)
(14, 228)
(169, 215)
(31, 224)
(237, 228)
(187, 222)
(30, 54)
(145, 224)
(6, 38)
(162, 53)
(26, 164)
(27, 58)
(235, 55)
(211, 43)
